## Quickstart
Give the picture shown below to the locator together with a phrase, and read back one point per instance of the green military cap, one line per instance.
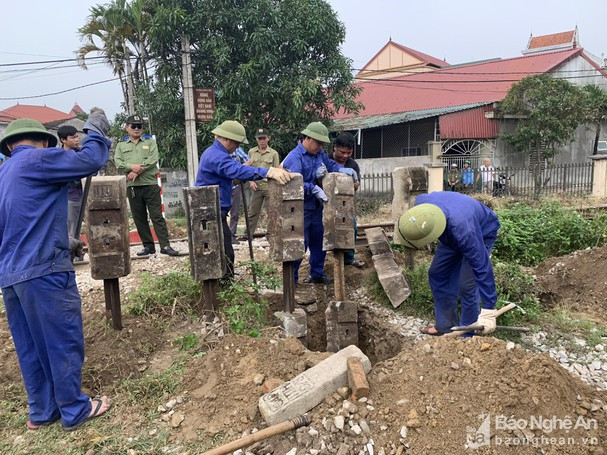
(422, 225)
(24, 126)
(231, 129)
(318, 131)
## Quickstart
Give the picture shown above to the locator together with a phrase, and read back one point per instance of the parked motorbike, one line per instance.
(501, 186)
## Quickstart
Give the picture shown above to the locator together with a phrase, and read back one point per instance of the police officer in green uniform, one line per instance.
(137, 158)
(266, 157)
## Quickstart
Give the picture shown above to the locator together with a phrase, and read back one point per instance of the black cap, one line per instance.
(261, 132)
(134, 120)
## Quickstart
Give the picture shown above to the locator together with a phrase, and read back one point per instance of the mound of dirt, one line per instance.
(224, 386)
(576, 280)
(437, 396)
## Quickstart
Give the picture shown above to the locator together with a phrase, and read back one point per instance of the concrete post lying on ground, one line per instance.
(205, 232)
(390, 275)
(408, 183)
(342, 325)
(309, 388)
(286, 219)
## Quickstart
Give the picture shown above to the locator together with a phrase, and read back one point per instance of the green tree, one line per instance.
(596, 110)
(117, 31)
(273, 63)
(549, 111)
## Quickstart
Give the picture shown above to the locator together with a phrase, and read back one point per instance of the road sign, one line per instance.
(204, 104)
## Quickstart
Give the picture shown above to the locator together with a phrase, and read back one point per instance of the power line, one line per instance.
(59, 92)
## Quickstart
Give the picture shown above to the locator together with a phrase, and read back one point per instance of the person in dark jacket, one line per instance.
(466, 231)
(36, 273)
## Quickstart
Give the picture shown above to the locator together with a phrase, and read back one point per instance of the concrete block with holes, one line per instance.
(338, 212)
(205, 233)
(108, 228)
(286, 219)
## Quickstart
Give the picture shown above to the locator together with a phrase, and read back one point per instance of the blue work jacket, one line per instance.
(33, 207)
(218, 168)
(471, 230)
(300, 161)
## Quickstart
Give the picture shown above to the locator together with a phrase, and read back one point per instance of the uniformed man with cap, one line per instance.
(466, 231)
(137, 158)
(36, 273)
(310, 160)
(266, 157)
(217, 168)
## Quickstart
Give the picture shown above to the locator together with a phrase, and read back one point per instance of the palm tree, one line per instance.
(117, 32)
(596, 110)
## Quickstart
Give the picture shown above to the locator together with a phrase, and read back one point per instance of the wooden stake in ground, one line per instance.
(209, 295)
(288, 286)
(339, 279)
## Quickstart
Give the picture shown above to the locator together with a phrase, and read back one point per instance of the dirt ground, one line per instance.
(576, 281)
(427, 397)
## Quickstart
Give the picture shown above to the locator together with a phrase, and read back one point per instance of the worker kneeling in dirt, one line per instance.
(466, 231)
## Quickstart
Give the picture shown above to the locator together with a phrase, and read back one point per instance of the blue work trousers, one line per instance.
(45, 319)
(313, 233)
(451, 277)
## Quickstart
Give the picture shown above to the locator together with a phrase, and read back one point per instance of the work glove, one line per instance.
(97, 122)
(278, 174)
(487, 320)
(319, 193)
(321, 172)
(76, 247)
(350, 172)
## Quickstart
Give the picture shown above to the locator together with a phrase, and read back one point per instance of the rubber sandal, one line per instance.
(91, 416)
(36, 426)
(426, 331)
(358, 264)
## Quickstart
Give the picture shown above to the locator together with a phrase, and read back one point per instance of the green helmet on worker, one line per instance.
(317, 131)
(23, 127)
(422, 225)
(231, 129)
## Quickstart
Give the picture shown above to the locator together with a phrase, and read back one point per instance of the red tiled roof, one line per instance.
(43, 114)
(551, 40)
(467, 84)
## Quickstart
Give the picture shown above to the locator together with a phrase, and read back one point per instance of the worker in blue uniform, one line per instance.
(312, 162)
(466, 231)
(218, 168)
(36, 273)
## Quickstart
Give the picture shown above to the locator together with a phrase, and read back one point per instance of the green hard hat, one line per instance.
(22, 126)
(318, 131)
(231, 129)
(422, 225)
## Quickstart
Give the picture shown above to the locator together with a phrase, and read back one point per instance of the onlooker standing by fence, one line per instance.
(487, 173)
(453, 178)
(467, 178)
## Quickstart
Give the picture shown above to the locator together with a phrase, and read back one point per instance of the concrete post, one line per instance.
(599, 175)
(435, 167)
(407, 183)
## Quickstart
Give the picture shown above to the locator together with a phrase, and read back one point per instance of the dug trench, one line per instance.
(434, 395)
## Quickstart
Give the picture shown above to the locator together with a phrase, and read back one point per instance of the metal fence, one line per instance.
(376, 183)
(574, 179)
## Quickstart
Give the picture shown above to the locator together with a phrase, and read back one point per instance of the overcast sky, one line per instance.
(459, 31)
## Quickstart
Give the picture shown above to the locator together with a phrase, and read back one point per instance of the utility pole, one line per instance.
(188, 101)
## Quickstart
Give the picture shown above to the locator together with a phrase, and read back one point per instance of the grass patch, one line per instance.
(561, 324)
(530, 234)
(149, 390)
(187, 342)
(166, 295)
(243, 310)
